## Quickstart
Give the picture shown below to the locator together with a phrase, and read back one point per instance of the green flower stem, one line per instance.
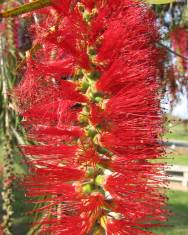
(86, 81)
(25, 8)
(7, 194)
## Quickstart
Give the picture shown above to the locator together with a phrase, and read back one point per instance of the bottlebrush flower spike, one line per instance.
(180, 44)
(178, 72)
(90, 100)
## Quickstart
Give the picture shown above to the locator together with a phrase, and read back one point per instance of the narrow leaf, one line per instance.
(159, 1)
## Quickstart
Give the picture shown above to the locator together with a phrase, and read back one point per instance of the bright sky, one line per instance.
(181, 109)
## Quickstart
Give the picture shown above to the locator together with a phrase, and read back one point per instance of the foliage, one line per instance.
(8, 118)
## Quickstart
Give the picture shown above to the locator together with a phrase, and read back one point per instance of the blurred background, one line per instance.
(15, 44)
(176, 141)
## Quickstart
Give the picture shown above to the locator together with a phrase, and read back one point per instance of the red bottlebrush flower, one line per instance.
(64, 6)
(179, 43)
(90, 100)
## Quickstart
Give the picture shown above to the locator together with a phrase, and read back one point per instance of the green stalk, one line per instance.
(8, 121)
(28, 7)
(8, 173)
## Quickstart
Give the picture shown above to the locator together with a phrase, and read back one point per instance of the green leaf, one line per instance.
(160, 1)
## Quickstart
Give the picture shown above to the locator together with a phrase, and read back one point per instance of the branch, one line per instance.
(28, 7)
(172, 52)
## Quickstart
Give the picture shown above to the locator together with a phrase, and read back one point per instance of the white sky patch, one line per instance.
(180, 110)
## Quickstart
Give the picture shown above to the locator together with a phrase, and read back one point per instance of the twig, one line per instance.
(28, 7)
(173, 52)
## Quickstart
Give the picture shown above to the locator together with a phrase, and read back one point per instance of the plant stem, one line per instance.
(7, 61)
(25, 8)
(7, 193)
(171, 51)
